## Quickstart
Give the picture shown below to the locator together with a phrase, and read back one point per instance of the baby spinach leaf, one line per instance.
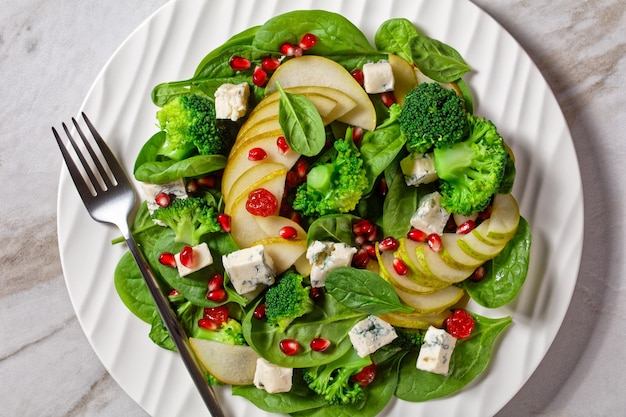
(301, 123)
(379, 148)
(333, 228)
(132, 289)
(242, 38)
(469, 359)
(161, 172)
(363, 291)
(506, 273)
(394, 36)
(149, 150)
(438, 60)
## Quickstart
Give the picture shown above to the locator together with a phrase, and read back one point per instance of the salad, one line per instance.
(320, 210)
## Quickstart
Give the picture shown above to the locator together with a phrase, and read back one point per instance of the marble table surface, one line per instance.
(50, 53)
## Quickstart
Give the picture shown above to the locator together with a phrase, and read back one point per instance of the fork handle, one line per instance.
(175, 329)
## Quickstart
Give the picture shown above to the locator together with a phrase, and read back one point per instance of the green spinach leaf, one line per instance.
(132, 289)
(332, 227)
(379, 148)
(394, 36)
(438, 60)
(161, 172)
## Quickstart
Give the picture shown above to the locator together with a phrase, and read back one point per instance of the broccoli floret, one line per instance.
(432, 116)
(190, 126)
(470, 171)
(287, 300)
(334, 187)
(190, 218)
(333, 381)
(230, 332)
(409, 339)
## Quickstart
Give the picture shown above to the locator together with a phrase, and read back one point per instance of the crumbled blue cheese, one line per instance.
(378, 77)
(370, 334)
(249, 268)
(325, 256)
(150, 191)
(419, 169)
(436, 351)
(430, 217)
(272, 378)
(231, 101)
(201, 258)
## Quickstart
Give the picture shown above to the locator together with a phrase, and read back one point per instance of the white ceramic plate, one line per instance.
(508, 89)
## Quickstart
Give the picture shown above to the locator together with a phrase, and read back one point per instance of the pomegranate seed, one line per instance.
(486, 213)
(382, 187)
(308, 41)
(289, 346)
(319, 344)
(259, 312)
(287, 49)
(460, 324)
(270, 64)
(259, 77)
(295, 217)
(216, 282)
(167, 259)
(363, 228)
(239, 63)
(478, 275)
(297, 51)
(357, 135)
(301, 168)
(163, 199)
(357, 74)
(217, 296)
(192, 186)
(360, 259)
(174, 293)
(257, 154)
(288, 232)
(466, 227)
(417, 235)
(371, 236)
(282, 144)
(388, 244)
(434, 242)
(316, 293)
(400, 267)
(186, 256)
(370, 249)
(450, 225)
(366, 376)
(207, 324)
(262, 203)
(388, 98)
(224, 221)
(218, 315)
(209, 182)
(359, 240)
(292, 180)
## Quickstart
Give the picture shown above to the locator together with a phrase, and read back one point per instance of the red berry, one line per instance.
(259, 312)
(282, 144)
(216, 282)
(466, 227)
(186, 256)
(400, 267)
(270, 64)
(259, 77)
(434, 242)
(289, 346)
(319, 344)
(217, 296)
(167, 259)
(163, 199)
(302, 166)
(366, 376)
(207, 324)
(358, 76)
(218, 314)
(316, 293)
(388, 98)
(308, 41)
(239, 63)
(417, 235)
(257, 154)
(388, 244)
(288, 232)
(460, 324)
(224, 221)
(262, 203)
(174, 293)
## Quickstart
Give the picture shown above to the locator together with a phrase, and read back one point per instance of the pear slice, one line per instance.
(501, 226)
(284, 253)
(432, 263)
(230, 364)
(415, 320)
(432, 303)
(258, 127)
(245, 181)
(478, 249)
(385, 262)
(454, 256)
(406, 252)
(272, 226)
(403, 75)
(318, 71)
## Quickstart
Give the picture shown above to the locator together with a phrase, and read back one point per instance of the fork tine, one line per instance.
(112, 162)
(103, 173)
(77, 177)
(92, 178)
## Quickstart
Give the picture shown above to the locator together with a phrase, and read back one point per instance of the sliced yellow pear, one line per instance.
(284, 253)
(272, 226)
(403, 75)
(302, 265)
(272, 135)
(389, 274)
(432, 303)
(502, 224)
(406, 252)
(230, 364)
(479, 249)
(247, 179)
(432, 263)
(318, 71)
(454, 256)
(415, 320)
(258, 127)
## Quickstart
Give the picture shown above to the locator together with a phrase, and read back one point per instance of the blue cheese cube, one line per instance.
(436, 351)
(326, 256)
(272, 378)
(378, 77)
(249, 268)
(201, 258)
(231, 101)
(149, 192)
(370, 334)
(419, 169)
(430, 217)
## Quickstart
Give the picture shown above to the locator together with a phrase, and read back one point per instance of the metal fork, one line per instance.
(109, 197)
